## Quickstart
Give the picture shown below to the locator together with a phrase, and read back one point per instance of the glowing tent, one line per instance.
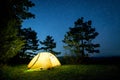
(43, 60)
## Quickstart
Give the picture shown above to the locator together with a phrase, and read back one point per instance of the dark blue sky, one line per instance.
(54, 17)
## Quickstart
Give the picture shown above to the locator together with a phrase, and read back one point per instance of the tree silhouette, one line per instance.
(30, 46)
(79, 38)
(10, 44)
(13, 13)
(49, 45)
(31, 41)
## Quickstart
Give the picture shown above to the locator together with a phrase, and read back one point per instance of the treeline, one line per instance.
(13, 13)
(16, 41)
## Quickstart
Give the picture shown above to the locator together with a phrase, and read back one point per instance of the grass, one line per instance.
(64, 72)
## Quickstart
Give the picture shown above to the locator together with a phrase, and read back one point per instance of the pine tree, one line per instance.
(13, 13)
(31, 41)
(79, 38)
(10, 44)
(49, 45)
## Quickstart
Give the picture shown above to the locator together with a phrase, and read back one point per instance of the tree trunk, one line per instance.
(83, 53)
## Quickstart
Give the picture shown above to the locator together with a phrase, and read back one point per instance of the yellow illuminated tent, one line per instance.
(43, 60)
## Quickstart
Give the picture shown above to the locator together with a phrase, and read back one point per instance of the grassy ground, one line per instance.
(64, 72)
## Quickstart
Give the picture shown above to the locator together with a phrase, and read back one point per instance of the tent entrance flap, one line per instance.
(35, 61)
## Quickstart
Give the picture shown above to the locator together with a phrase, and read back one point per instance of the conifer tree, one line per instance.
(31, 41)
(79, 38)
(13, 13)
(49, 45)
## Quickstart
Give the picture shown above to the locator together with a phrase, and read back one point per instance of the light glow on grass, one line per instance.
(31, 70)
(38, 69)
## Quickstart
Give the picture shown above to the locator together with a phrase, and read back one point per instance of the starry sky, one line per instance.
(54, 17)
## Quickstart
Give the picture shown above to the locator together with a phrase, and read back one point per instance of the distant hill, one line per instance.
(98, 60)
(104, 60)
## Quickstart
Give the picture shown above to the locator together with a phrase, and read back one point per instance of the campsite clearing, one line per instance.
(64, 72)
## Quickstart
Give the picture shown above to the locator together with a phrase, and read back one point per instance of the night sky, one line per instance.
(54, 17)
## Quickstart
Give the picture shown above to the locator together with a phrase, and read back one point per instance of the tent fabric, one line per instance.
(44, 60)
